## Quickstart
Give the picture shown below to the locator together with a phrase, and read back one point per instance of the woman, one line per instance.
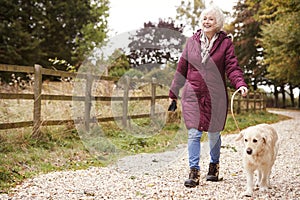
(208, 57)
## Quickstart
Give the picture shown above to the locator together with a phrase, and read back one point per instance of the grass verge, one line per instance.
(62, 148)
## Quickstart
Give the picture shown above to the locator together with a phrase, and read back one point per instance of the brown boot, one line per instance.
(194, 177)
(213, 172)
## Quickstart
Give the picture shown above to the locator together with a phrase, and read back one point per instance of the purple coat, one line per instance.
(204, 96)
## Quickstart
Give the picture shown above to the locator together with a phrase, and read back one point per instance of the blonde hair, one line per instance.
(217, 13)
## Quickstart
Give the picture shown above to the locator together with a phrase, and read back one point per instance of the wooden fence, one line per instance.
(37, 96)
(255, 101)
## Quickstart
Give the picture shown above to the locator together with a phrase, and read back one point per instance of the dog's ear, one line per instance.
(266, 137)
(240, 136)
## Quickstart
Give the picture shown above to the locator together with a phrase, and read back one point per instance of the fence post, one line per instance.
(239, 105)
(247, 102)
(264, 101)
(88, 102)
(153, 94)
(37, 101)
(254, 100)
(125, 101)
(261, 102)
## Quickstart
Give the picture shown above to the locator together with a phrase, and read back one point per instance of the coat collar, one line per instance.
(196, 36)
(222, 36)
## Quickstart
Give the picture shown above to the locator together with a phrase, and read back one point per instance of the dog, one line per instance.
(261, 147)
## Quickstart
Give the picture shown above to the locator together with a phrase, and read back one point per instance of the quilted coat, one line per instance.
(204, 97)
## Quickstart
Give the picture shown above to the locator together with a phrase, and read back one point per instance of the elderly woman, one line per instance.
(208, 57)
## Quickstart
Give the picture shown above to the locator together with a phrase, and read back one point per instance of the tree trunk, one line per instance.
(254, 85)
(299, 98)
(292, 96)
(275, 96)
(283, 96)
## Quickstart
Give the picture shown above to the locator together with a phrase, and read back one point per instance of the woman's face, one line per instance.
(209, 23)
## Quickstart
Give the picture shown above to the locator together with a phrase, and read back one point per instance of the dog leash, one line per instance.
(231, 108)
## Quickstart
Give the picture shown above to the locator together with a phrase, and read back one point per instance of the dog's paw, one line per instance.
(247, 194)
(263, 188)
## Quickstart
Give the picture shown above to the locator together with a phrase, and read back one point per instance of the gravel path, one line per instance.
(161, 176)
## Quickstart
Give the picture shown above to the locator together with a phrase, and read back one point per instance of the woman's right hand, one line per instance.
(170, 100)
(173, 104)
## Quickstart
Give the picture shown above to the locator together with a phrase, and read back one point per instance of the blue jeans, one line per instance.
(194, 147)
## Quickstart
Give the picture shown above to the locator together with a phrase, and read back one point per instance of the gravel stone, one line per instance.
(161, 176)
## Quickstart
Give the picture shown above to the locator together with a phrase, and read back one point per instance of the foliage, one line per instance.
(267, 43)
(68, 66)
(36, 30)
(156, 44)
(119, 63)
(163, 76)
(189, 12)
(281, 40)
(134, 73)
(248, 50)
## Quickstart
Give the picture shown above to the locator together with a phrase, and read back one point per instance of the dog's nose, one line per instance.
(249, 151)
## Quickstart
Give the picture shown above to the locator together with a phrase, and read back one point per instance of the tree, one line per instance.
(248, 50)
(156, 44)
(32, 31)
(118, 63)
(281, 41)
(189, 12)
(19, 41)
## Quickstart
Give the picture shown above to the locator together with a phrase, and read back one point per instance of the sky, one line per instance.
(129, 15)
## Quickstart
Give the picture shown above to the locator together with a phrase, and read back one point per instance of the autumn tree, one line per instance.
(156, 44)
(33, 31)
(248, 50)
(118, 63)
(280, 39)
(189, 12)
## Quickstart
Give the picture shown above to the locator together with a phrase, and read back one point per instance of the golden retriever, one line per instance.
(261, 147)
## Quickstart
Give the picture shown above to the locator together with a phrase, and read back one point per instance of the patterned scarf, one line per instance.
(206, 46)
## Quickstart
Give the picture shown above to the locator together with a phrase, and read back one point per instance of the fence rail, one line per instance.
(255, 101)
(252, 102)
(37, 97)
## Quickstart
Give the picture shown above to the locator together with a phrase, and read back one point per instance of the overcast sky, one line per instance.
(128, 15)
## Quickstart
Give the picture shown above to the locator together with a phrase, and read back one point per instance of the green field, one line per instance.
(63, 148)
